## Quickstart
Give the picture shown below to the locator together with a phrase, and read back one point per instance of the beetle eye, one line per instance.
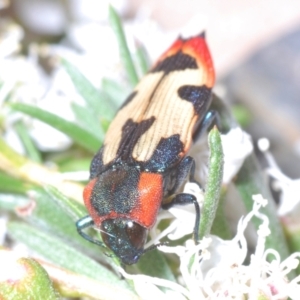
(137, 234)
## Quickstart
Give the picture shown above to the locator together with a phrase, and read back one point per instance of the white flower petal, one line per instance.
(290, 198)
(237, 145)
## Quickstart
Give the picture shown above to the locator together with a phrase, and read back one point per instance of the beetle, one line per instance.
(143, 160)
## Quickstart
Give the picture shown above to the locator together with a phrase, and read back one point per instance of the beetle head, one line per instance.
(125, 238)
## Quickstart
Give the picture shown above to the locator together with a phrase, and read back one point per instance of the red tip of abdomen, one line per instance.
(197, 48)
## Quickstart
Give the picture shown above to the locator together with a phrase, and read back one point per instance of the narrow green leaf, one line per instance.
(32, 152)
(115, 91)
(142, 59)
(220, 225)
(11, 184)
(50, 216)
(124, 51)
(80, 164)
(84, 118)
(96, 102)
(61, 254)
(81, 136)
(74, 209)
(9, 157)
(213, 185)
(57, 214)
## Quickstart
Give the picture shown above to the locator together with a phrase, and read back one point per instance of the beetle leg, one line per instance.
(84, 223)
(185, 169)
(183, 199)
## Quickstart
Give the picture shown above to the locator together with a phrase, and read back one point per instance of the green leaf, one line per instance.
(11, 184)
(213, 185)
(74, 209)
(33, 282)
(154, 264)
(96, 102)
(142, 59)
(83, 117)
(71, 165)
(32, 152)
(9, 158)
(124, 51)
(63, 255)
(81, 136)
(114, 91)
(220, 225)
(57, 214)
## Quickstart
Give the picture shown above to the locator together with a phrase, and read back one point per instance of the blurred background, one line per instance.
(255, 47)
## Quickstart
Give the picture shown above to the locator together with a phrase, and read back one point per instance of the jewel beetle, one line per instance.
(144, 159)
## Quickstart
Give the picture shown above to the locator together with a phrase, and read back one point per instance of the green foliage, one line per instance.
(83, 137)
(124, 50)
(33, 282)
(213, 185)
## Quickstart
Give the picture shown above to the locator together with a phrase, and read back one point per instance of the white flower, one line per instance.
(237, 145)
(216, 269)
(30, 85)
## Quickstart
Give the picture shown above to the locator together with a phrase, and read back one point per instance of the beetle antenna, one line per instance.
(155, 246)
(98, 229)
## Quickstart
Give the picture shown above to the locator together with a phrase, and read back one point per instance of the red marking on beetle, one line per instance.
(87, 193)
(176, 46)
(197, 48)
(150, 189)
